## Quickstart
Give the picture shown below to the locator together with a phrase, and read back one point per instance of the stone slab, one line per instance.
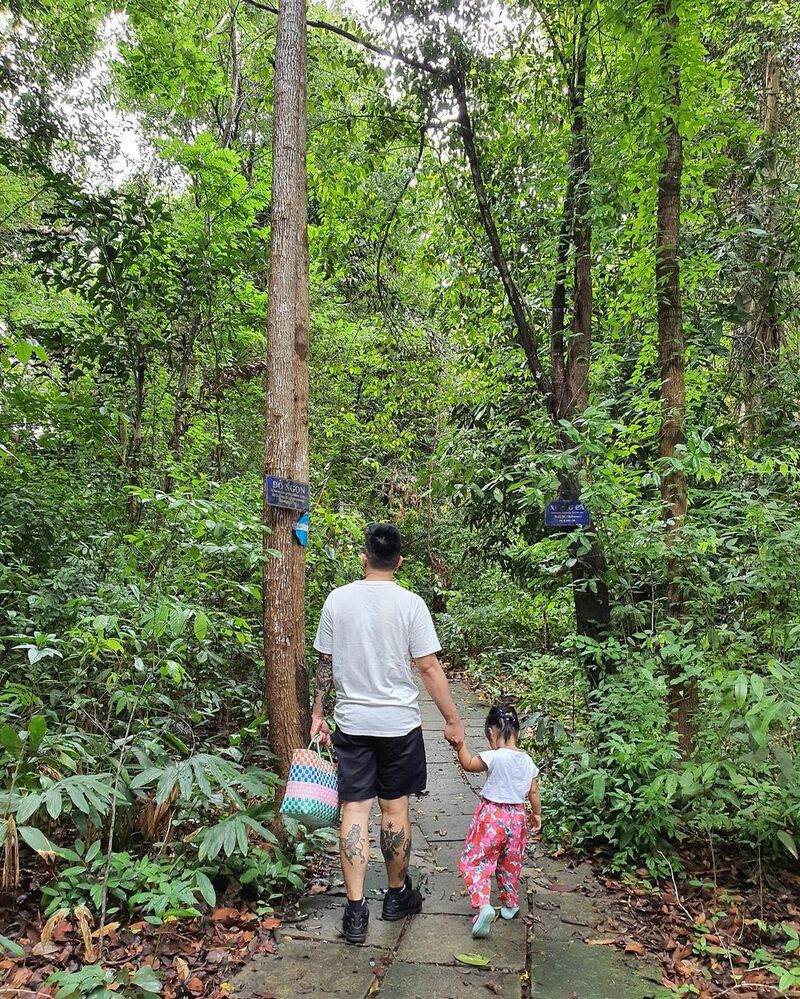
(445, 786)
(411, 981)
(445, 828)
(324, 924)
(445, 894)
(563, 969)
(335, 971)
(568, 917)
(436, 939)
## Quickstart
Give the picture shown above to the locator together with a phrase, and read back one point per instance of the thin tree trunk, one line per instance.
(134, 453)
(672, 361)
(286, 422)
(233, 108)
(180, 416)
(762, 333)
(769, 332)
(526, 336)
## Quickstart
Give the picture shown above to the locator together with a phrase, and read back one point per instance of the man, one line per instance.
(368, 635)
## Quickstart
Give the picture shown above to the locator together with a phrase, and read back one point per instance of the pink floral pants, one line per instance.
(495, 844)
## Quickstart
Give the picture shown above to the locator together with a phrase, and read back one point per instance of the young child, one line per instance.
(496, 838)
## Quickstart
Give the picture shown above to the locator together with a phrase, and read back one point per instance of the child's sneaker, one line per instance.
(509, 913)
(482, 923)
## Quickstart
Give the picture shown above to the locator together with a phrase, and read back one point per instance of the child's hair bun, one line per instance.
(504, 718)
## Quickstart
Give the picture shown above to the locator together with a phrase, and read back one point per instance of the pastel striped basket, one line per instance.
(312, 794)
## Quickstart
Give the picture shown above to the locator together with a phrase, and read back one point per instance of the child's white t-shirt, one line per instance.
(509, 777)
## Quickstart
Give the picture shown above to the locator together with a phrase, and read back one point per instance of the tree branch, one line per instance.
(423, 65)
(525, 335)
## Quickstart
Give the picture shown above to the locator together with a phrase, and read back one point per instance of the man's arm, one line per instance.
(324, 683)
(436, 684)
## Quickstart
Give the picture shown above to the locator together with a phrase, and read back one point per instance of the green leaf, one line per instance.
(206, 888)
(54, 802)
(10, 740)
(788, 841)
(77, 796)
(474, 960)
(30, 804)
(37, 841)
(598, 788)
(37, 727)
(200, 625)
(165, 786)
(11, 946)
(24, 350)
(147, 980)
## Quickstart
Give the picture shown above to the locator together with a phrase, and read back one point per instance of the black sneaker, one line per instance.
(355, 922)
(399, 904)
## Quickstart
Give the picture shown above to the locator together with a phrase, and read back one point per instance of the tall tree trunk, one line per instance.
(763, 333)
(672, 359)
(286, 422)
(570, 361)
(569, 387)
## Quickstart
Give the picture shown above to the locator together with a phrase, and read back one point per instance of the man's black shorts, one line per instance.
(386, 766)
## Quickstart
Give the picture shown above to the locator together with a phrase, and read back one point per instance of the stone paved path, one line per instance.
(417, 957)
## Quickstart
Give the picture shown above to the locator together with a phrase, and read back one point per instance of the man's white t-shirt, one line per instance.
(373, 629)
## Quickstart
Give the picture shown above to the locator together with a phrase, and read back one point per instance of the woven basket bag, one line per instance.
(312, 795)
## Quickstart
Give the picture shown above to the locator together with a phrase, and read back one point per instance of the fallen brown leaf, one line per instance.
(108, 928)
(20, 978)
(182, 968)
(57, 922)
(85, 920)
(45, 948)
(600, 941)
(217, 955)
(634, 947)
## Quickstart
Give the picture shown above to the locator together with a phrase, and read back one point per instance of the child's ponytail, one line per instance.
(503, 718)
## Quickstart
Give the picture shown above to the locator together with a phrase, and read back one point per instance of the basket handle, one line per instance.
(323, 751)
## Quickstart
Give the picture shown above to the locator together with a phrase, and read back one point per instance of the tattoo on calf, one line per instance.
(353, 845)
(393, 843)
(407, 854)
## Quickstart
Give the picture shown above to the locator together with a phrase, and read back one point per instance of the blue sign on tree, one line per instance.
(287, 493)
(566, 513)
(301, 529)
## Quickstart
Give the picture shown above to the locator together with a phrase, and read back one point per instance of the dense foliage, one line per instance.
(132, 338)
